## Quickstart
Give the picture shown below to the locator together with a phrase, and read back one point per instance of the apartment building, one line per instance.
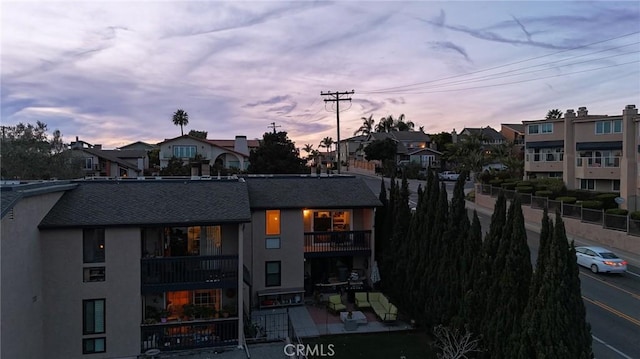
(112, 268)
(215, 152)
(590, 152)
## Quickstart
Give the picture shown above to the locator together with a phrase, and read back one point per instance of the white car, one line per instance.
(600, 260)
(448, 176)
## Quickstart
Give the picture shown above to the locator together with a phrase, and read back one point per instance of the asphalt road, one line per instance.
(612, 301)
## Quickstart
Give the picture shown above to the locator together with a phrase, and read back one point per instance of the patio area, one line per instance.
(313, 320)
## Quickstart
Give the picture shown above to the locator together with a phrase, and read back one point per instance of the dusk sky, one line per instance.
(114, 72)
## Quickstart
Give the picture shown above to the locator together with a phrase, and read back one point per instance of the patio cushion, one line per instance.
(335, 303)
(382, 307)
(361, 300)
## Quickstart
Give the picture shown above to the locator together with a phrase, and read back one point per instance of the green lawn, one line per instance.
(386, 345)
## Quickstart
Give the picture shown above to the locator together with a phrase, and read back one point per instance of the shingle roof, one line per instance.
(150, 202)
(515, 126)
(310, 192)
(487, 132)
(12, 194)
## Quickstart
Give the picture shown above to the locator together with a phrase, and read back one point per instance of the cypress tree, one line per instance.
(511, 292)
(554, 324)
(381, 241)
(470, 308)
(401, 243)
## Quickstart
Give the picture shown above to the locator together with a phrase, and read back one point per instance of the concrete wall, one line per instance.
(22, 305)
(64, 291)
(575, 227)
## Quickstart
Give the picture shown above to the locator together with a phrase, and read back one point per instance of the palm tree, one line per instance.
(553, 114)
(367, 126)
(401, 125)
(181, 118)
(386, 124)
(308, 148)
(327, 142)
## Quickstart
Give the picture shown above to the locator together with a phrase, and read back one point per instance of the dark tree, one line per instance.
(175, 167)
(276, 154)
(554, 322)
(28, 154)
(198, 134)
(384, 151)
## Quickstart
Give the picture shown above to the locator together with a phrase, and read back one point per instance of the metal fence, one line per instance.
(263, 326)
(586, 215)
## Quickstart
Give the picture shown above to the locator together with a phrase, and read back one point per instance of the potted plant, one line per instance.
(190, 311)
(164, 314)
(229, 310)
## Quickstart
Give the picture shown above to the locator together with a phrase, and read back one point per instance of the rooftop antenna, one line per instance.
(273, 125)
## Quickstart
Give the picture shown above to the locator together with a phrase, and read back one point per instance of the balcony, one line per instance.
(189, 335)
(598, 167)
(188, 273)
(325, 244)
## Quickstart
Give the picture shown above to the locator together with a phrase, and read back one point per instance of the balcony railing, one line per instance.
(193, 272)
(196, 334)
(337, 241)
(603, 161)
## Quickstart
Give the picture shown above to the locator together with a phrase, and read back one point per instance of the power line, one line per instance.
(273, 125)
(336, 97)
(388, 89)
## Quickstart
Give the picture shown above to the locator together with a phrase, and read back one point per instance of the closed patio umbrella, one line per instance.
(375, 273)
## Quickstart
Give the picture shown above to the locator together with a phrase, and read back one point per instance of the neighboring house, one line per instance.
(514, 133)
(591, 152)
(489, 135)
(426, 157)
(139, 145)
(188, 147)
(238, 144)
(407, 142)
(110, 163)
(353, 148)
(112, 268)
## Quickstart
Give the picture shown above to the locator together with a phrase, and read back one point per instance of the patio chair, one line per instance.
(335, 304)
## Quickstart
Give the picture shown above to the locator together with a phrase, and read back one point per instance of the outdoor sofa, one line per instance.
(335, 303)
(386, 311)
(362, 300)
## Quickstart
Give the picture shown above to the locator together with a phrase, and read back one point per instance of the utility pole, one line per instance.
(273, 125)
(336, 97)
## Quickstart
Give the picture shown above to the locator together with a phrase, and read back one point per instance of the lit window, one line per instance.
(93, 245)
(273, 222)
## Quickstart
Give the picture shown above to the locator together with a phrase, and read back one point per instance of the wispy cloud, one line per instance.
(447, 45)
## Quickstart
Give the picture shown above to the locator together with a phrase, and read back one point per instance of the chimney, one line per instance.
(582, 112)
(97, 147)
(240, 145)
(454, 136)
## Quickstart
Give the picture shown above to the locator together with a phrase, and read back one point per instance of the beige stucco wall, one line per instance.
(575, 227)
(585, 131)
(64, 291)
(556, 135)
(290, 253)
(21, 294)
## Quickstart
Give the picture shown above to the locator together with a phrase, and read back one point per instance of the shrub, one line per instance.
(591, 204)
(544, 193)
(618, 211)
(555, 185)
(524, 189)
(495, 182)
(580, 194)
(471, 196)
(635, 215)
(525, 183)
(566, 199)
(540, 187)
(508, 185)
(607, 199)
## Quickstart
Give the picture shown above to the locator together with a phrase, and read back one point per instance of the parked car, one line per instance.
(448, 176)
(600, 260)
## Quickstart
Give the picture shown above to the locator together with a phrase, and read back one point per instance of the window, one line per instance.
(273, 222)
(93, 316)
(547, 127)
(587, 184)
(184, 151)
(93, 245)
(615, 185)
(272, 274)
(94, 274)
(273, 243)
(611, 126)
(88, 163)
(94, 345)
(533, 129)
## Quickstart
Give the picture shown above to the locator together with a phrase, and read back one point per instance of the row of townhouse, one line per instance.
(590, 152)
(113, 268)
